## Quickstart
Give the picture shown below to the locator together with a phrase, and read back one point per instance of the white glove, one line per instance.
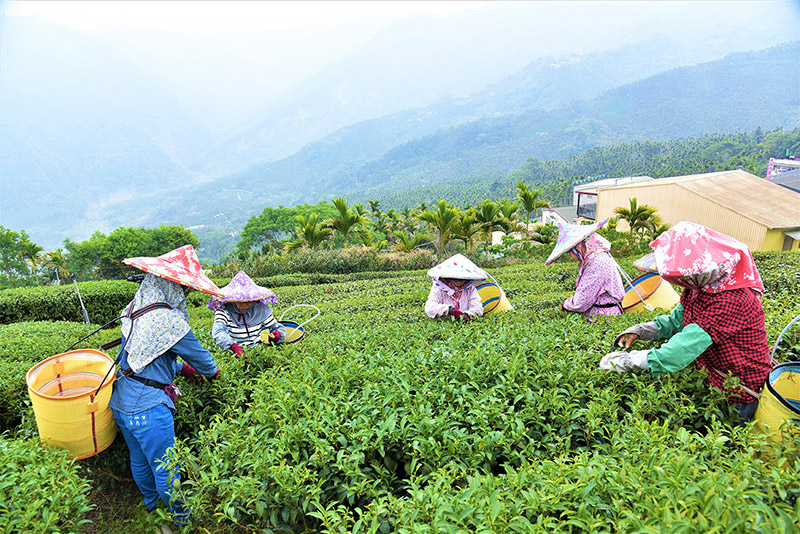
(623, 361)
(645, 331)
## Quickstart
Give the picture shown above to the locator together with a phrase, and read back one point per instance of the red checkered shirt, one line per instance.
(734, 320)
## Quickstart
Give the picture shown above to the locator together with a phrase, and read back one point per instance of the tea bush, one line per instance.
(103, 301)
(382, 420)
(40, 489)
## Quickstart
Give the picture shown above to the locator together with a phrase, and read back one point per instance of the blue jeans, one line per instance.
(149, 435)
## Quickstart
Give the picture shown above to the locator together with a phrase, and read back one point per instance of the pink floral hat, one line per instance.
(180, 266)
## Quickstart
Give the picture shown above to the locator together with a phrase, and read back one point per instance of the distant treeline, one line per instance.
(749, 151)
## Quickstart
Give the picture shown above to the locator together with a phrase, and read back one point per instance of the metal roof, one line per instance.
(753, 197)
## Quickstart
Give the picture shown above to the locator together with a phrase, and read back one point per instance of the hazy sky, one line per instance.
(186, 39)
(259, 50)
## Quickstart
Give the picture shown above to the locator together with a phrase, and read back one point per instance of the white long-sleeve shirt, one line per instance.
(467, 300)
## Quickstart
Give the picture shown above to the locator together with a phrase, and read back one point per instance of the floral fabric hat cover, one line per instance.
(180, 266)
(243, 289)
(696, 257)
(570, 235)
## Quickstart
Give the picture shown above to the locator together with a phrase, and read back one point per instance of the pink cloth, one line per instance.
(699, 258)
(598, 289)
(467, 300)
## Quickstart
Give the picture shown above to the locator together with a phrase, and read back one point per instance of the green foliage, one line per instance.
(40, 489)
(15, 249)
(555, 177)
(275, 225)
(101, 256)
(103, 301)
(382, 420)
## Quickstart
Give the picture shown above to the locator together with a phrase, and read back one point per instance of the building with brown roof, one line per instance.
(755, 211)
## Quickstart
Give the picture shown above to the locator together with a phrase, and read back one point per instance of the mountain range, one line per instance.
(90, 141)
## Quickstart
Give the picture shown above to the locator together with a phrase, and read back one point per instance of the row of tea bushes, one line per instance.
(384, 421)
(103, 300)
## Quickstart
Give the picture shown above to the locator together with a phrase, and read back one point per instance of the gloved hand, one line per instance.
(214, 376)
(623, 361)
(275, 336)
(455, 312)
(191, 375)
(645, 331)
(237, 350)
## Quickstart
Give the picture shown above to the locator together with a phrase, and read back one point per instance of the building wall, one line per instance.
(676, 204)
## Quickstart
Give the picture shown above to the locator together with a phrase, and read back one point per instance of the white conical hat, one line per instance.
(458, 266)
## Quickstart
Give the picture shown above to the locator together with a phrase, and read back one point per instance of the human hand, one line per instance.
(237, 350)
(645, 331)
(190, 374)
(625, 340)
(275, 336)
(623, 361)
(214, 376)
(455, 312)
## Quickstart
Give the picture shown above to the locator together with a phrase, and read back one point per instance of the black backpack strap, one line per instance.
(128, 373)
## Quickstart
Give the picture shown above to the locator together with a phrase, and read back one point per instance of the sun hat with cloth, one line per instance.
(180, 266)
(570, 235)
(699, 258)
(242, 289)
(153, 333)
(459, 267)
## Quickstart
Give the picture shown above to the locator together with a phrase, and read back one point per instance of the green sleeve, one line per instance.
(681, 350)
(669, 325)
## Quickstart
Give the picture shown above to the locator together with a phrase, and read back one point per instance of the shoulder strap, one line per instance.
(133, 315)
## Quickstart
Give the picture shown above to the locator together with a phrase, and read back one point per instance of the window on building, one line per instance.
(587, 205)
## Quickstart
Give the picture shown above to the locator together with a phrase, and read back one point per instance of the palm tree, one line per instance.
(311, 232)
(375, 206)
(58, 263)
(346, 220)
(406, 242)
(444, 220)
(489, 217)
(639, 218)
(31, 253)
(510, 218)
(467, 227)
(530, 201)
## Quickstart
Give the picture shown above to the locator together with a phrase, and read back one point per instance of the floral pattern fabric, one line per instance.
(598, 288)
(181, 266)
(152, 334)
(701, 259)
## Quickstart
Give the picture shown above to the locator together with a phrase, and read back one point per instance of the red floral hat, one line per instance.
(180, 266)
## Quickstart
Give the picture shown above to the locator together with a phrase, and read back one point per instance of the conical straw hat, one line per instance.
(570, 235)
(180, 266)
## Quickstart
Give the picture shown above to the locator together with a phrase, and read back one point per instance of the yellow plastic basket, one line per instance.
(493, 298)
(652, 290)
(70, 411)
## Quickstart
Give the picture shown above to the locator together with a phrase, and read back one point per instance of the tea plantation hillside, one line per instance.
(382, 420)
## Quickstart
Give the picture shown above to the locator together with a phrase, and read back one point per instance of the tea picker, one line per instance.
(241, 313)
(454, 293)
(719, 322)
(598, 287)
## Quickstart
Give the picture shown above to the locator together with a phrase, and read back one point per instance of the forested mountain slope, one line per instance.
(726, 95)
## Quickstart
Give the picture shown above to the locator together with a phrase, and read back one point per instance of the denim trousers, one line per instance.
(149, 435)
